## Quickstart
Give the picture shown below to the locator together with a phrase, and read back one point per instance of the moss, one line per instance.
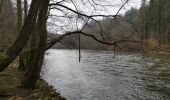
(2, 55)
(160, 89)
(150, 53)
(10, 87)
(48, 91)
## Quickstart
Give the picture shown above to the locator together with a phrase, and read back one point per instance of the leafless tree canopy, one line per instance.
(66, 15)
(72, 16)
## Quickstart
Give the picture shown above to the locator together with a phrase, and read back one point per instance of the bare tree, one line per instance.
(64, 10)
(37, 56)
(22, 38)
(76, 15)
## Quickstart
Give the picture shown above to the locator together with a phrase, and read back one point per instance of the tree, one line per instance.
(157, 20)
(19, 26)
(22, 38)
(143, 20)
(37, 55)
(19, 16)
(35, 27)
(132, 16)
(23, 57)
(25, 9)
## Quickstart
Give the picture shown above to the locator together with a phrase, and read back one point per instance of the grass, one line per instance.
(10, 87)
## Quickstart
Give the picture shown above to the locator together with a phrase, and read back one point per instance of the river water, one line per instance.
(100, 76)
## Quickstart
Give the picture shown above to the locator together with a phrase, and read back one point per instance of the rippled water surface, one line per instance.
(100, 76)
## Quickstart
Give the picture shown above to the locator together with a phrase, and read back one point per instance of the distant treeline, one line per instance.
(154, 20)
(150, 23)
(123, 27)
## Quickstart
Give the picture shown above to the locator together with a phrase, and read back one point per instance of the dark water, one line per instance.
(99, 76)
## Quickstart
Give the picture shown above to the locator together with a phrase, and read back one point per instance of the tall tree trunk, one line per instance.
(19, 16)
(1, 4)
(30, 64)
(22, 38)
(19, 26)
(23, 57)
(166, 15)
(37, 55)
(25, 9)
(157, 23)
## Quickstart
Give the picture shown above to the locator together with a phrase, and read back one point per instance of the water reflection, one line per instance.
(99, 76)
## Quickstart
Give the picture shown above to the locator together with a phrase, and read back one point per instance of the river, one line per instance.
(101, 76)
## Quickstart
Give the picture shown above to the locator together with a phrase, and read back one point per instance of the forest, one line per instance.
(149, 23)
(31, 29)
(154, 21)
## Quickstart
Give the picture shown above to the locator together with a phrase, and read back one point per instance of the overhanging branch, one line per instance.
(54, 41)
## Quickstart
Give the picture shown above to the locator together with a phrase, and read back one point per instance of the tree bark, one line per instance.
(19, 26)
(19, 16)
(23, 57)
(28, 77)
(37, 55)
(25, 9)
(1, 4)
(22, 38)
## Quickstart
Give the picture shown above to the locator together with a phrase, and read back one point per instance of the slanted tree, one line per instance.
(22, 38)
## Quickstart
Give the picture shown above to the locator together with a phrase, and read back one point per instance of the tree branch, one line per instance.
(54, 41)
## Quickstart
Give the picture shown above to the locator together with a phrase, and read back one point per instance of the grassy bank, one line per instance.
(10, 87)
(158, 54)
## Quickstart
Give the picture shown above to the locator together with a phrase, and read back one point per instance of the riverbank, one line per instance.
(155, 53)
(10, 87)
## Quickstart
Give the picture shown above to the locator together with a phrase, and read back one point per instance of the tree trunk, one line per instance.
(23, 57)
(25, 9)
(37, 55)
(22, 38)
(19, 16)
(166, 15)
(1, 4)
(28, 77)
(19, 26)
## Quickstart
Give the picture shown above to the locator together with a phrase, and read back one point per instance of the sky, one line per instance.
(87, 8)
(132, 3)
(110, 10)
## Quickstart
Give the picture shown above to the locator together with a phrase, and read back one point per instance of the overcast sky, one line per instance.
(87, 8)
(111, 10)
(132, 3)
